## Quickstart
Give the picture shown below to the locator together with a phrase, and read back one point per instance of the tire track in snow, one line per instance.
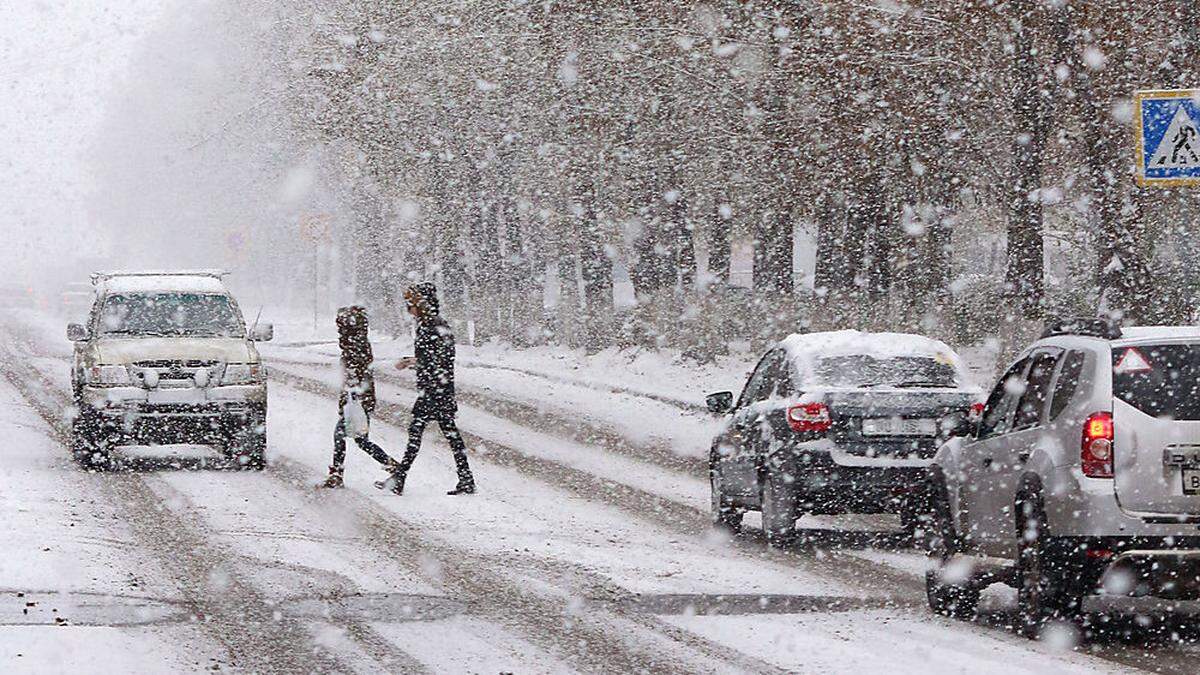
(898, 586)
(681, 518)
(257, 637)
(591, 638)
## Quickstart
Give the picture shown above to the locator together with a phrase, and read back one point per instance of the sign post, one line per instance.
(1167, 137)
(318, 229)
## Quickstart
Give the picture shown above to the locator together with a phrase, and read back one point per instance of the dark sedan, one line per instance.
(838, 422)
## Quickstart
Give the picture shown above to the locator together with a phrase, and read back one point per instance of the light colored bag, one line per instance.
(354, 417)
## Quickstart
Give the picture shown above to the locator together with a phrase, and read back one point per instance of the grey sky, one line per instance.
(60, 61)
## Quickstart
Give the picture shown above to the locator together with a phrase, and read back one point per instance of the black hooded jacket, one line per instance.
(434, 350)
(356, 356)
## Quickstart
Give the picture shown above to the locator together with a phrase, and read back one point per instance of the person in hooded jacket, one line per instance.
(357, 358)
(434, 362)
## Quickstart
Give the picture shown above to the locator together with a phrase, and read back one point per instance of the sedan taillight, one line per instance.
(1096, 452)
(976, 413)
(809, 417)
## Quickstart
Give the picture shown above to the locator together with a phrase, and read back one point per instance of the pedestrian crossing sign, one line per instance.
(1167, 127)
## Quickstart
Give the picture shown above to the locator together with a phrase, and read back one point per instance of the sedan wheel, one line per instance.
(778, 509)
(724, 514)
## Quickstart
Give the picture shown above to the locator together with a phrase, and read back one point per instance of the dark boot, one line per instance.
(394, 482)
(463, 488)
(334, 480)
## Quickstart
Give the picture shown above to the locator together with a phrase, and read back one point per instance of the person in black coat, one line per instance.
(357, 358)
(434, 362)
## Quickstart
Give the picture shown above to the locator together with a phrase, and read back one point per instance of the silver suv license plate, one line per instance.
(1191, 481)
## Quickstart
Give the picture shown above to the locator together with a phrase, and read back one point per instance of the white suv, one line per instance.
(1083, 475)
(165, 357)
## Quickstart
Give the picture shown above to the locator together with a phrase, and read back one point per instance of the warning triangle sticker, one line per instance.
(1131, 361)
(1180, 145)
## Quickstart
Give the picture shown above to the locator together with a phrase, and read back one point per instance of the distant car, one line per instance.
(76, 300)
(1083, 475)
(17, 296)
(837, 422)
(166, 357)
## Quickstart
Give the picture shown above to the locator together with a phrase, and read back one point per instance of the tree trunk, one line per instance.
(515, 277)
(854, 239)
(719, 246)
(596, 267)
(487, 264)
(1024, 277)
(1121, 267)
(683, 244)
(569, 309)
(773, 269)
(880, 254)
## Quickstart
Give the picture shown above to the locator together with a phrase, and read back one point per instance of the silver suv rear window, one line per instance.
(1159, 380)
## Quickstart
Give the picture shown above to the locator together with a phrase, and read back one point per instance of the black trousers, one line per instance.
(425, 412)
(339, 448)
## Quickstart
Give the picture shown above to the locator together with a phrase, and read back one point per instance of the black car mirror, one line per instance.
(720, 402)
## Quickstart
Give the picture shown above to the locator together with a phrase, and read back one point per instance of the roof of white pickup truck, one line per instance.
(152, 282)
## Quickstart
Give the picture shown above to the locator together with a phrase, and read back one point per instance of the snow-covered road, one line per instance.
(586, 550)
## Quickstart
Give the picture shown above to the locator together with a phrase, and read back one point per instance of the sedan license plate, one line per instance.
(1191, 481)
(897, 426)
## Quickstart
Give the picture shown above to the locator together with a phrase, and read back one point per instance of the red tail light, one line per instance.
(976, 413)
(1096, 453)
(810, 417)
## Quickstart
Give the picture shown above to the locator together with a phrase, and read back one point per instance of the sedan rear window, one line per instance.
(860, 370)
(1159, 380)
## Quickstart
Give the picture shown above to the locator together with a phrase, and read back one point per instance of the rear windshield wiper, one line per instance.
(922, 383)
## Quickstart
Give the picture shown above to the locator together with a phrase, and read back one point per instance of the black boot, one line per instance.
(334, 480)
(463, 488)
(394, 482)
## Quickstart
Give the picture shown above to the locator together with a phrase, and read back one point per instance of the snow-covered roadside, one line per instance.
(76, 594)
(646, 373)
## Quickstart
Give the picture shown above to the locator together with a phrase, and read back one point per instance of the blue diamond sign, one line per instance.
(1168, 137)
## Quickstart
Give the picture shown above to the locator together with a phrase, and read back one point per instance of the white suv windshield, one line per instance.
(860, 370)
(170, 314)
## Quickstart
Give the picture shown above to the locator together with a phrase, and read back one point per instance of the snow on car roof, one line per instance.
(879, 345)
(1131, 333)
(805, 348)
(184, 283)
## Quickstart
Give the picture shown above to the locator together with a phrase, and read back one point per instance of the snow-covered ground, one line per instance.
(586, 549)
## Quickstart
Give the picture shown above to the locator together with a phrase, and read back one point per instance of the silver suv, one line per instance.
(1082, 477)
(165, 357)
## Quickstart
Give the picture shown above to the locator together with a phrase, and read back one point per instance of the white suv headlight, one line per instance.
(108, 376)
(243, 373)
